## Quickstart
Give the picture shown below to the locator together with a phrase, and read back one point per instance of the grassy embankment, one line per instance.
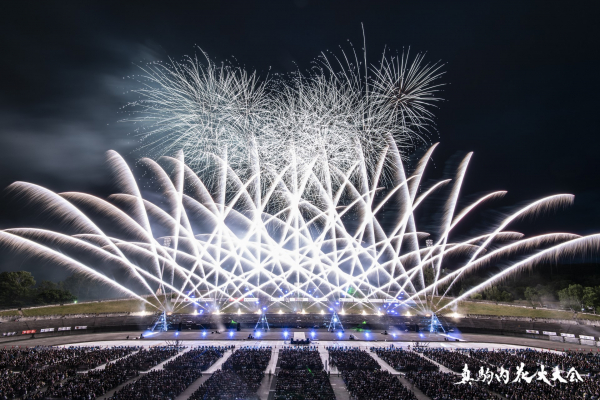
(133, 305)
(472, 307)
(116, 306)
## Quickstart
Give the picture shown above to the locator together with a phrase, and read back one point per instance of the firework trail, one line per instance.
(226, 244)
(271, 189)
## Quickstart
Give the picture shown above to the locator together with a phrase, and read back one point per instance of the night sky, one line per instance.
(522, 84)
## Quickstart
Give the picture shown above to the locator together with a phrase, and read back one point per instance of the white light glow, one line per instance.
(226, 247)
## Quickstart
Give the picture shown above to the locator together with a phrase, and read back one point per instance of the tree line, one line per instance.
(19, 288)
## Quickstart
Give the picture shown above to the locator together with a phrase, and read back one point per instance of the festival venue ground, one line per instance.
(275, 339)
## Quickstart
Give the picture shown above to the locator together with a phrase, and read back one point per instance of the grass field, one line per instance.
(503, 310)
(133, 305)
(116, 306)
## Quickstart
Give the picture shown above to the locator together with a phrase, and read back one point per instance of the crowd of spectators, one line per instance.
(301, 375)
(300, 358)
(87, 386)
(144, 359)
(585, 362)
(227, 385)
(249, 358)
(351, 358)
(15, 384)
(200, 358)
(375, 385)
(403, 360)
(158, 385)
(510, 359)
(303, 385)
(363, 376)
(47, 366)
(538, 390)
(98, 356)
(453, 359)
(442, 386)
(239, 377)
(17, 359)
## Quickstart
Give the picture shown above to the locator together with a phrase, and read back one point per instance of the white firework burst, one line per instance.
(281, 190)
(233, 242)
(338, 112)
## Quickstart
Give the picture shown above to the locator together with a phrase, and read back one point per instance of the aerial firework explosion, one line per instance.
(280, 193)
(339, 111)
(222, 244)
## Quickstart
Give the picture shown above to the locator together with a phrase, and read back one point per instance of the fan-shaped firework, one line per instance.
(222, 243)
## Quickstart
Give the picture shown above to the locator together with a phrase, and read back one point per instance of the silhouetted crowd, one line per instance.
(510, 359)
(538, 390)
(375, 385)
(403, 360)
(47, 366)
(504, 358)
(229, 385)
(200, 358)
(249, 358)
(159, 385)
(363, 376)
(300, 358)
(46, 372)
(301, 375)
(97, 357)
(442, 386)
(13, 384)
(583, 362)
(350, 359)
(87, 386)
(239, 378)
(23, 358)
(453, 359)
(303, 385)
(144, 359)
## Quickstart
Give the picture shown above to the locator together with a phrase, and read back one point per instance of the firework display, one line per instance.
(273, 189)
(231, 242)
(339, 111)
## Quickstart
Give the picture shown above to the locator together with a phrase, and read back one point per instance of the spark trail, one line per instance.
(281, 191)
(230, 241)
